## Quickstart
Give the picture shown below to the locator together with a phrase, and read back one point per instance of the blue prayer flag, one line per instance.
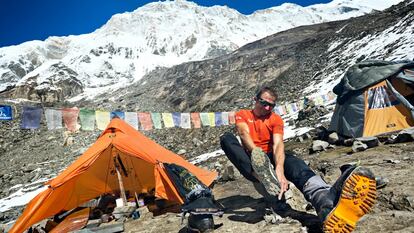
(118, 114)
(176, 119)
(218, 119)
(31, 117)
(5, 112)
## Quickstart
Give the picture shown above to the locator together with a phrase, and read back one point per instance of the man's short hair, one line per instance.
(268, 90)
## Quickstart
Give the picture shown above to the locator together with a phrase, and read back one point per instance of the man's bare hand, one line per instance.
(284, 183)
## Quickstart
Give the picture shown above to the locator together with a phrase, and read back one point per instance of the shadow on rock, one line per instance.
(251, 210)
(237, 206)
(310, 221)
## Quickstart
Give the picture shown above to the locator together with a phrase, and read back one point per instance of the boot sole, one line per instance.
(264, 169)
(357, 198)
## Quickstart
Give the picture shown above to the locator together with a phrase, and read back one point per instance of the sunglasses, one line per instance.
(264, 103)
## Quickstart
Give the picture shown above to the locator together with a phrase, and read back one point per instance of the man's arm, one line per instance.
(244, 134)
(279, 157)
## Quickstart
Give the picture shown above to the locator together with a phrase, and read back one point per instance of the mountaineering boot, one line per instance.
(264, 169)
(341, 206)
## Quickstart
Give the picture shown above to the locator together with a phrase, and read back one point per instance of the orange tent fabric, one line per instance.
(139, 159)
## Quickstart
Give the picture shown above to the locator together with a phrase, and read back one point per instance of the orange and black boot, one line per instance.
(342, 205)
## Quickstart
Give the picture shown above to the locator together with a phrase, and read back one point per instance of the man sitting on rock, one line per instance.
(263, 161)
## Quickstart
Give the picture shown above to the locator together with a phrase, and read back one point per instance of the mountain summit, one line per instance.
(159, 34)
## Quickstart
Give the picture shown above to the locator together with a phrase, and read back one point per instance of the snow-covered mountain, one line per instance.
(159, 34)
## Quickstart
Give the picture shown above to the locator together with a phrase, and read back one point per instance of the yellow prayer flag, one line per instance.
(102, 119)
(212, 119)
(168, 119)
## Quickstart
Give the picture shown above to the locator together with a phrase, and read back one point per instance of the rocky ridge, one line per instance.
(159, 34)
(314, 56)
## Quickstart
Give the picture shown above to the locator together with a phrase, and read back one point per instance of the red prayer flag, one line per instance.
(70, 118)
(195, 118)
(145, 120)
(232, 120)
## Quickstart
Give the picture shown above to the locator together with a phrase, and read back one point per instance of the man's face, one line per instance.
(264, 104)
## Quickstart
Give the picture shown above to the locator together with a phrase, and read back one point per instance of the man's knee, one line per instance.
(227, 138)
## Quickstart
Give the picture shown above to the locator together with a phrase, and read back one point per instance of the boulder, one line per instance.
(123, 211)
(226, 170)
(319, 145)
(406, 135)
(369, 141)
(349, 142)
(181, 152)
(333, 138)
(359, 146)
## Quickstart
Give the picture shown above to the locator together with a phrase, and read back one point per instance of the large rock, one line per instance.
(369, 141)
(359, 146)
(319, 145)
(406, 135)
(62, 84)
(333, 138)
(123, 211)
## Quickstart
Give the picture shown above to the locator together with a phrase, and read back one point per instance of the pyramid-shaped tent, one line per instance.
(139, 159)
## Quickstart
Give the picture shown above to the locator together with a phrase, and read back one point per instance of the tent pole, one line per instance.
(121, 186)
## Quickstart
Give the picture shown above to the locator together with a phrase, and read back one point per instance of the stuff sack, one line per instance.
(199, 201)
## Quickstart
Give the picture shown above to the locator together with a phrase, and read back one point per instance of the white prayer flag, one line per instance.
(185, 120)
(132, 119)
(225, 118)
(53, 118)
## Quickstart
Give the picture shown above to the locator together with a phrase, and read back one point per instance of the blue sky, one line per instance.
(24, 20)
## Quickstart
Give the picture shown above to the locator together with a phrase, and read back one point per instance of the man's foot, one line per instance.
(264, 169)
(355, 194)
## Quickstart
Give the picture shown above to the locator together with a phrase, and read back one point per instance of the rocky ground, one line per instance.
(28, 156)
(245, 210)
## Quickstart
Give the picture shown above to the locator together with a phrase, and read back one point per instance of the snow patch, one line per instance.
(22, 196)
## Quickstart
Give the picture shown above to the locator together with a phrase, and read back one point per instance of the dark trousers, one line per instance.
(296, 171)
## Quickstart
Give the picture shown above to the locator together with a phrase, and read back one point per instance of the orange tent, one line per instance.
(121, 147)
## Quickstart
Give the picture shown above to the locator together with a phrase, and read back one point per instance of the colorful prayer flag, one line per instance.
(31, 117)
(70, 118)
(217, 119)
(195, 119)
(168, 119)
(283, 109)
(277, 110)
(319, 100)
(301, 104)
(185, 121)
(87, 119)
(204, 119)
(132, 119)
(118, 114)
(325, 98)
(212, 118)
(176, 119)
(156, 120)
(102, 119)
(331, 95)
(288, 108)
(294, 107)
(232, 119)
(53, 119)
(6, 112)
(145, 120)
(225, 118)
